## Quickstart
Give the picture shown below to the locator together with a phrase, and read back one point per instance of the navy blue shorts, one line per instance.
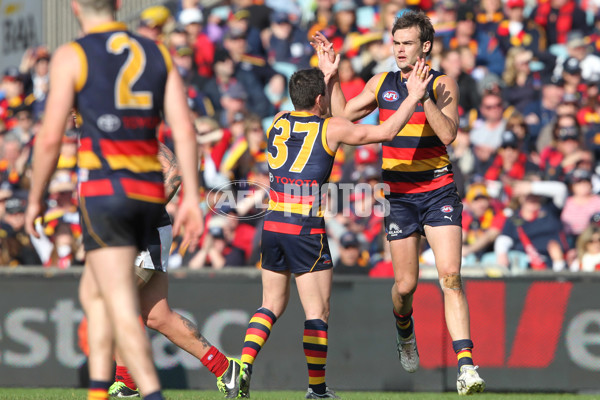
(295, 253)
(113, 221)
(409, 213)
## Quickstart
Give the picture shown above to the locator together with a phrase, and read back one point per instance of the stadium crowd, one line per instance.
(525, 160)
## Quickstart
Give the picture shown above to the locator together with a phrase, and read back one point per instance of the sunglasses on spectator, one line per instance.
(491, 106)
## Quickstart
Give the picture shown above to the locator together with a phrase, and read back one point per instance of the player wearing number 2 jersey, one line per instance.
(121, 85)
(301, 149)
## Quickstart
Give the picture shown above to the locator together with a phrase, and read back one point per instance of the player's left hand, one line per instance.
(35, 210)
(418, 79)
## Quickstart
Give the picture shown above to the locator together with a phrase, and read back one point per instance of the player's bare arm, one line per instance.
(443, 114)
(341, 130)
(359, 106)
(64, 72)
(170, 170)
(178, 117)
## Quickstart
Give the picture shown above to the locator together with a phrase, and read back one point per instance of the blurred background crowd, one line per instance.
(525, 160)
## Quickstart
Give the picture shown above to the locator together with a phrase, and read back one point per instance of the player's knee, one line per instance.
(451, 282)
(405, 287)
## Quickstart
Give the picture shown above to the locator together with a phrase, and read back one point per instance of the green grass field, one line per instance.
(80, 394)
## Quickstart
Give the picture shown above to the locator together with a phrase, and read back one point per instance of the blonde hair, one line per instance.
(584, 238)
(510, 66)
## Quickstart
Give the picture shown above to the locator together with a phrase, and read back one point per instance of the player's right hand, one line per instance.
(189, 218)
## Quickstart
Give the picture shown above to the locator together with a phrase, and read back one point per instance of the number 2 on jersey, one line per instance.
(125, 97)
(310, 128)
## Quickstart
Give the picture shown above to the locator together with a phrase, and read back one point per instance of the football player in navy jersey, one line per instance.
(301, 147)
(121, 99)
(422, 194)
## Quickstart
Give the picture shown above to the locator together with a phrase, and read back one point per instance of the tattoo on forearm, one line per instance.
(194, 329)
(168, 161)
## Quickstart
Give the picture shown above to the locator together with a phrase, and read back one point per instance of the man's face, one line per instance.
(408, 47)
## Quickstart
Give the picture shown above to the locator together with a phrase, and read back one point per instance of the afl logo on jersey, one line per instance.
(390, 96)
(108, 122)
(447, 209)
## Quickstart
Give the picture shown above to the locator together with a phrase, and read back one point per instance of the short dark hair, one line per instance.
(419, 19)
(305, 86)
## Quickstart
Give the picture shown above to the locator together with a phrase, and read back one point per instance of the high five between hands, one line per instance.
(417, 81)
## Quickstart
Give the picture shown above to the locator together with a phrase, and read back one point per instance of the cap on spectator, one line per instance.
(221, 55)
(184, 50)
(515, 4)
(155, 16)
(235, 91)
(42, 54)
(344, 5)
(476, 191)
(241, 14)
(465, 13)
(568, 133)
(509, 139)
(448, 5)
(235, 33)
(576, 39)
(579, 175)
(349, 239)
(279, 17)
(17, 203)
(551, 80)
(190, 16)
(370, 172)
(365, 155)
(12, 74)
(61, 182)
(571, 66)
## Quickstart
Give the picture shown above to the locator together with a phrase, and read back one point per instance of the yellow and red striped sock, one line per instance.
(315, 350)
(257, 334)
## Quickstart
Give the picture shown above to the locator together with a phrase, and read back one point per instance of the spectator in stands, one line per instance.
(12, 229)
(34, 69)
(350, 82)
(152, 20)
(191, 19)
(581, 204)
(13, 162)
(217, 249)
(559, 17)
(521, 88)
(226, 73)
(509, 165)
(451, 66)
(542, 112)
(588, 248)
(533, 237)
(571, 74)
(489, 16)
(236, 43)
(566, 150)
(482, 222)
(240, 21)
(12, 92)
(351, 260)
(487, 131)
(516, 124)
(518, 31)
(344, 25)
(213, 142)
(287, 44)
(245, 151)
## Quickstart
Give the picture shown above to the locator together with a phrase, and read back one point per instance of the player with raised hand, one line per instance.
(301, 148)
(423, 197)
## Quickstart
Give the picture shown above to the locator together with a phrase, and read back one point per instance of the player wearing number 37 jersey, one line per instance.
(301, 149)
